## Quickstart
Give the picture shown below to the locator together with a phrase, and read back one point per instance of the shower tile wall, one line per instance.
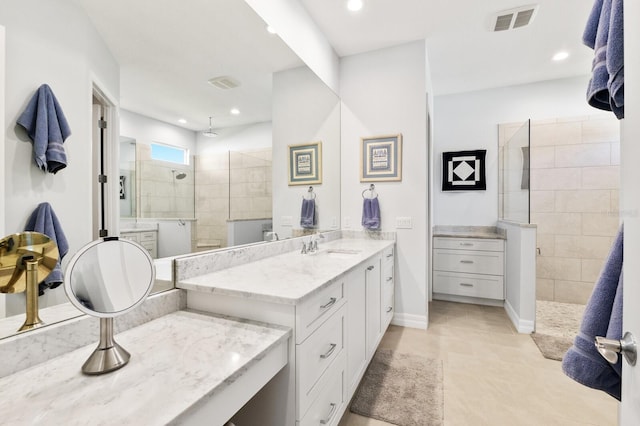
(230, 185)
(159, 194)
(212, 200)
(575, 177)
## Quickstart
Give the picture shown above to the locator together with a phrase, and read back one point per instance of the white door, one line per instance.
(630, 208)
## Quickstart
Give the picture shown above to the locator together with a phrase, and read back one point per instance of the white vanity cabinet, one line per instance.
(147, 239)
(320, 355)
(387, 288)
(468, 269)
(370, 290)
(336, 327)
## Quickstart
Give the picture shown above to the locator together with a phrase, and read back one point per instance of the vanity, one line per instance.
(275, 336)
(338, 302)
(469, 264)
(144, 234)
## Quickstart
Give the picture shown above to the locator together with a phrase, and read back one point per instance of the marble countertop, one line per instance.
(176, 361)
(287, 278)
(487, 232)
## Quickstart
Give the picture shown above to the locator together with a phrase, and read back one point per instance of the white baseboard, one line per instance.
(410, 320)
(523, 326)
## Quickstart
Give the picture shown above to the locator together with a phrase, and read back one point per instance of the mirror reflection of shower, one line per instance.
(178, 175)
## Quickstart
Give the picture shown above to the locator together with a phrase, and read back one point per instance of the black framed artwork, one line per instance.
(464, 170)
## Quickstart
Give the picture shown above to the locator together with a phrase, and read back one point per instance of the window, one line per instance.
(171, 154)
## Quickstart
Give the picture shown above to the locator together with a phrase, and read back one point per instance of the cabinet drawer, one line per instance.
(312, 312)
(149, 245)
(387, 272)
(131, 236)
(473, 262)
(388, 256)
(328, 405)
(316, 354)
(387, 305)
(468, 244)
(148, 236)
(486, 286)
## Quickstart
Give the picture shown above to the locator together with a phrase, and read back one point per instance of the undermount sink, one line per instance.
(342, 253)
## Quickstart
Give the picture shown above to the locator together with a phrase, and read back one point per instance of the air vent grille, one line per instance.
(224, 82)
(514, 18)
(503, 22)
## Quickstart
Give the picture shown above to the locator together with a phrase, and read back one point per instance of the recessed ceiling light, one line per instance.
(235, 111)
(271, 30)
(182, 121)
(354, 5)
(561, 56)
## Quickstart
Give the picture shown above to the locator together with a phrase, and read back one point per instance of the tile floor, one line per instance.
(493, 375)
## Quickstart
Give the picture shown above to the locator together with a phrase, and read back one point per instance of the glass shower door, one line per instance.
(514, 173)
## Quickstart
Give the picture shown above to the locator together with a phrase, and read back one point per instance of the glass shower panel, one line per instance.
(514, 173)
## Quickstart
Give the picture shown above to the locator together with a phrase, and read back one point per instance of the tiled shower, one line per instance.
(573, 196)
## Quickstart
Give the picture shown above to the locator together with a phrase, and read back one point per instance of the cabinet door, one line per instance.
(372, 290)
(356, 326)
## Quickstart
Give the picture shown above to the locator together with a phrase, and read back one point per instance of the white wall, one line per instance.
(384, 92)
(296, 28)
(60, 47)
(146, 130)
(305, 110)
(520, 275)
(239, 138)
(470, 121)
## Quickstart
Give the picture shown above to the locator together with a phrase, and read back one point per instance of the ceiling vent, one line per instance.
(514, 18)
(225, 82)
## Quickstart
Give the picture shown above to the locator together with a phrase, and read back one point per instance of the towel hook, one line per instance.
(372, 190)
(310, 193)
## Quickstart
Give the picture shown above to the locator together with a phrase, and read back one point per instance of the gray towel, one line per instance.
(47, 127)
(44, 220)
(371, 213)
(308, 214)
(604, 34)
(602, 317)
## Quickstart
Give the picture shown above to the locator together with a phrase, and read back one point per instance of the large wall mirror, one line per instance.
(156, 58)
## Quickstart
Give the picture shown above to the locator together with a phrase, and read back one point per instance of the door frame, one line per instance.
(110, 112)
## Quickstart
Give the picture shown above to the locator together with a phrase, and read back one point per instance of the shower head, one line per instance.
(178, 176)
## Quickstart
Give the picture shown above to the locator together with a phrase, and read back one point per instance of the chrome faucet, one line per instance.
(313, 242)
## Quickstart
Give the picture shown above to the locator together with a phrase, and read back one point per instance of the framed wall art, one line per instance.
(381, 158)
(305, 164)
(464, 170)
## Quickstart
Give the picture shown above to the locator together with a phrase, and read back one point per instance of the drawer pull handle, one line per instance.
(389, 279)
(466, 261)
(327, 354)
(389, 255)
(329, 303)
(466, 285)
(467, 244)
(389, 309)
(331, 412)
(370, 268)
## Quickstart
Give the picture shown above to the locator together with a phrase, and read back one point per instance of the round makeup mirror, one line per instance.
(107, 278)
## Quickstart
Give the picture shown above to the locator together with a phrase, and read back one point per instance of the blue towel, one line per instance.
(308, 214)
(604, 34)
(602, 317)
(47, 127)
(44, 220)
(371, 213)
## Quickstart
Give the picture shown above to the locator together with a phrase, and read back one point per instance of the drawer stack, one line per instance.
(321, 357)
(387, 289)
(468, 268)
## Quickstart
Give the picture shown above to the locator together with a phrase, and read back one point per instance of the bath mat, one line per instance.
(552, 347)
(401, 389)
